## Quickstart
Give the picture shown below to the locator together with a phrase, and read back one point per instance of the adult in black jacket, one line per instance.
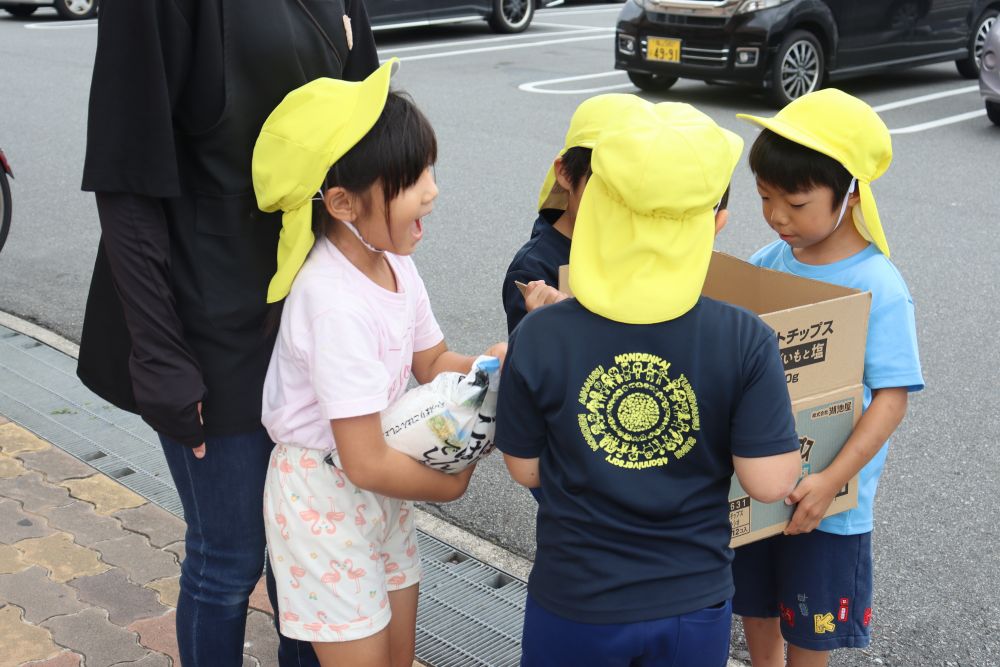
(175, 322)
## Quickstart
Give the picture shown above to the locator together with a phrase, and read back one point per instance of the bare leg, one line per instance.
(764, 640)
(392, 646)
(368, 652)
(403, 625)
(802, 657)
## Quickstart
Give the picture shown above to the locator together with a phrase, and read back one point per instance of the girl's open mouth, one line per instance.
(418, 228)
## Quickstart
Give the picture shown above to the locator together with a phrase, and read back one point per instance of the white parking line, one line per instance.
(537, 86)
(930, 125)
(579, 12)
(926, 98)
(74, 25)
(502, 47)
(577, 30)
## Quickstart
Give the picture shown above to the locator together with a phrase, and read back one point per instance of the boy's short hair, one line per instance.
(794, 168)
(576, 164)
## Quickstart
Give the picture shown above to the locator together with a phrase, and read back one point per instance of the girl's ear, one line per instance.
(340, 204)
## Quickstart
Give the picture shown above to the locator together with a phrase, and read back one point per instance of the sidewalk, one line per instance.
(88, 569)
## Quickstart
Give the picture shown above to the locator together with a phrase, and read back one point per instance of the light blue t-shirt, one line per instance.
(891, 357)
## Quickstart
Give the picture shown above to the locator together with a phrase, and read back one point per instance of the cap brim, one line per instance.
(636, 269)
(790, 132)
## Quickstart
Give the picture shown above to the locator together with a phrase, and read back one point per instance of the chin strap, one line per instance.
(843, 207)
(357, 234)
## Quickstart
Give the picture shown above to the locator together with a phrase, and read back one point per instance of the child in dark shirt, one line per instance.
(548, 248)
(632, 404)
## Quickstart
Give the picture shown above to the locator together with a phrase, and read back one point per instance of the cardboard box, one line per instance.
(821, 331)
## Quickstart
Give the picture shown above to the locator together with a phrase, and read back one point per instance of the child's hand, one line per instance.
(813, 494)
(498, 350)
(538, 294)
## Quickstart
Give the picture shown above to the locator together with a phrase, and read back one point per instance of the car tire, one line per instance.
(993, 111)
(76, 9)
(651, 83)
(969, 67)
(21, 11)
(798, 68)
(510, 16)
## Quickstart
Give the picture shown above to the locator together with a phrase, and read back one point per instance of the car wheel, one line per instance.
(993, 112)
(511, 15)
(652, 83)
(77, 9)
(798, 68)
(969, 67)
(21, 10)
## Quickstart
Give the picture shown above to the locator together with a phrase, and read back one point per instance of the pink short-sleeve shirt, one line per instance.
(344, 348)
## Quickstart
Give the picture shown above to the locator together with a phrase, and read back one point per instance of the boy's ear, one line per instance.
(564, 183)
(339, 204)
(721, 219)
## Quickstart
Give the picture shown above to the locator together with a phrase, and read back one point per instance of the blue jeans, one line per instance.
(697, 638)
(223, 498)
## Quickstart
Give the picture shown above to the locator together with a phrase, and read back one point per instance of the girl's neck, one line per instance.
(374, 265)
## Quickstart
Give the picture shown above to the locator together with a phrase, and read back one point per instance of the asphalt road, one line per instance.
(500, 106)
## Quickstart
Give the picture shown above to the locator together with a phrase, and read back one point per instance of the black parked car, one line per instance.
(502, 15)
(791, 47)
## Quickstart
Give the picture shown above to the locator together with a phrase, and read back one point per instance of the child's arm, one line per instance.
(523, 471)
(372, 465)
(429, 363)
(768, 478)
(815, 492)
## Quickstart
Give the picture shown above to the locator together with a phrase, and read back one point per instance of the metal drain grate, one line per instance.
(469, 614)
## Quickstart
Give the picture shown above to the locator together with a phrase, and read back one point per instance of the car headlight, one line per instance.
(757, 5)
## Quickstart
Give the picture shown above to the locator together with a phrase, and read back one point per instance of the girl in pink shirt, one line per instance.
(355, 325)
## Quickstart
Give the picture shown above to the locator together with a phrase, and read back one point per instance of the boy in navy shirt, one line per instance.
(632, 404)
(548, 248)
(814, 163)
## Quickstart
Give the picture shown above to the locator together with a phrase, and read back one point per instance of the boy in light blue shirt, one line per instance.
(814, 163)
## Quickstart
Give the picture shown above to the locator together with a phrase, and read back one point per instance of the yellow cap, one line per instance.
(646, 225)
(312, 128)
(588, 120)
(846, 129)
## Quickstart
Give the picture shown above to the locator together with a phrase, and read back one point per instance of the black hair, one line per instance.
(576, 164)
(394, 154)
(795, 168)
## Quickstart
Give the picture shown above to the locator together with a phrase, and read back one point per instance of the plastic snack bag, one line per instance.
(448, 423)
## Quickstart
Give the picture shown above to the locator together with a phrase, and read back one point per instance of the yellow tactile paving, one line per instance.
(23, 642)
(168, 589)
(63, 558)
(11, 467)
(11, 560)
(105, 494)
(15, 440)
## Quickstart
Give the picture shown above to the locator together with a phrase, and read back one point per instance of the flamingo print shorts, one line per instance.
(336, 550)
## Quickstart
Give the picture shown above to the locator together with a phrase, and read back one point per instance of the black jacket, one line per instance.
(176, 309)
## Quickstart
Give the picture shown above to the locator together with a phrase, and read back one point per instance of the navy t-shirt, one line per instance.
(538, 259)
(635, 427)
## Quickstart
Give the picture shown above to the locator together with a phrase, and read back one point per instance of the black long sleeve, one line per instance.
(166, 379)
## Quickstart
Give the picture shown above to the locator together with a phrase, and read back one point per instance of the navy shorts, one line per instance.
(818, 584)
(698, 638)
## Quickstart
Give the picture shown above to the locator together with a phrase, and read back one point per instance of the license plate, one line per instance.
(663, 49)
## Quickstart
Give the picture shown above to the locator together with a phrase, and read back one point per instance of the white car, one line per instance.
(68, 9)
